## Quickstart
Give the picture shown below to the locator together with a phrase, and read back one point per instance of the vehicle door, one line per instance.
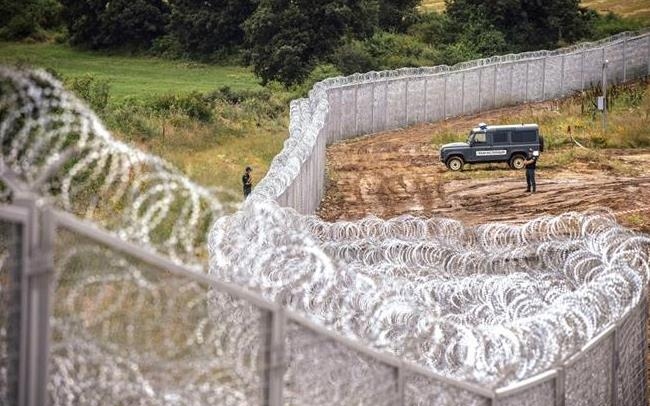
(481, 148)
(500, 145)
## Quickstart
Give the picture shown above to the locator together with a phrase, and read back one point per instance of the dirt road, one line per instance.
(399, 172)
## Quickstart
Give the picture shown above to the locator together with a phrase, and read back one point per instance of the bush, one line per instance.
(319, 73)
(353, 57)
(28, 18)
(93, 90)
(605, 25)
(194, 105)
(393, 51)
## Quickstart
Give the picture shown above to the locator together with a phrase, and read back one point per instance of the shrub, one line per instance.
(194, 105)
(93, 90)
(353, 57)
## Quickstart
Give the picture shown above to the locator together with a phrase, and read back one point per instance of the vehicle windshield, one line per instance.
(472, 134)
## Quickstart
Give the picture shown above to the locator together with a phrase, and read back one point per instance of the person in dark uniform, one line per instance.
(247, 181)
(530, 163)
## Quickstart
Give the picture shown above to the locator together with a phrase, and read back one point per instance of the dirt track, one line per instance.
(399, 173)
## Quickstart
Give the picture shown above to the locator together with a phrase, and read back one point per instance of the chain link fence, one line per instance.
(346, 107)
(89, 318)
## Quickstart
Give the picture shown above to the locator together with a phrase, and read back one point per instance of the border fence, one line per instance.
(88, 318)
(346, 107)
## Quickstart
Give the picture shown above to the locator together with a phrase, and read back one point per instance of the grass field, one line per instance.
(129, 76)
(639, 9)
(213, 153)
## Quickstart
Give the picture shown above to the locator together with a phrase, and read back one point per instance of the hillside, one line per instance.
(629, 8)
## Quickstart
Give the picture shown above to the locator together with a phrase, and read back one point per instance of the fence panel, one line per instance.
(396, 97)
(12, 269)
(502, 86)
(334, 116)
(322, 371)
(435, 97)
(454, 95)
(637, 57)
(616, 64)
(572, 79)
(425, 391)
(365, 100)
(541, 394)
(471, 91)
(380, 106)
(535, 80)
(416, 100)
(348, 111)
(632, 350)
(593, 73)
(127, 332)
(589, 376)
(519, 79)
(553, 77)
(488, 75)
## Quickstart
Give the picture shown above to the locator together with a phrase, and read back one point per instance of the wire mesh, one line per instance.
(125, 332)
(425, 391)
(11, 270)
(631, 347)
(321, 371)
(589, 378)
(539, 395)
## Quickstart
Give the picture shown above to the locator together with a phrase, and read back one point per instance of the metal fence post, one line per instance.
(614, 366)
(480, 88)
(444, 98)
(494, 87)
(560, 388)
(426, 97)
(562, 76)
(385, 105)
(37, 284)
(544, 78)
(372, 108)
(625, 60)
(582, 71)
(648, 59)
(462, 95)
(356, 109)
(401, 386)
(406, 102)
(512, 74)
(602, 62)
(274, 330)
(527, 75)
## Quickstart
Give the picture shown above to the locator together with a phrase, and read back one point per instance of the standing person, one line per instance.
(530, 163)
(247, 181)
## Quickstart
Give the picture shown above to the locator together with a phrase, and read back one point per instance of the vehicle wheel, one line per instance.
(455, 163)
(517, 162)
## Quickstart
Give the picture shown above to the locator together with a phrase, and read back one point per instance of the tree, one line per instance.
(526, 24)
(397, 15)
(287, 38)
(115, 23)
(28, 18)
(205, 27)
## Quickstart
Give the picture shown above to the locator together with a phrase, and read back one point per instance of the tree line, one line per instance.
(290, 40)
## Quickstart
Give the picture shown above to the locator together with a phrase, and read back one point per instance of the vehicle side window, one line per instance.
(500, 137)
(479, 138)
(524, 137)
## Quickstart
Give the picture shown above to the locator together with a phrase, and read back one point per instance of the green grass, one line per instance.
(138, 77)
(637, 9)
(213, 152)
(628, 128)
